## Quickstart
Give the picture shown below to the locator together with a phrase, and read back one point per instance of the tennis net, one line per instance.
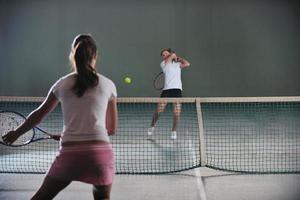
(251, 135)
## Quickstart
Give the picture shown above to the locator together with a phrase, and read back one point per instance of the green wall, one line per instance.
(235, 47)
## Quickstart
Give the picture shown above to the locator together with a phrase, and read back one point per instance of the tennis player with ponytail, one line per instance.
(88, 101)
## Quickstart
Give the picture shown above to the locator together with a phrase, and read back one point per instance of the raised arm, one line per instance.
(170, 58)
(183, 62)
(112, 116)
(33, 119)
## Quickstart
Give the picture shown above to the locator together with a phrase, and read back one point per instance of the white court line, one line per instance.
(201, 188)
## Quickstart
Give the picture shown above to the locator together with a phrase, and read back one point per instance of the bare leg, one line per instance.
(50, 188)
(176, 115)
(101, 192)
(160, 108)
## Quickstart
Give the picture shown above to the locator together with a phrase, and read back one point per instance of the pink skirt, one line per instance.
(92, 164)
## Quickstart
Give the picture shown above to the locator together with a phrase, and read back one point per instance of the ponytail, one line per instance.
(84, 53)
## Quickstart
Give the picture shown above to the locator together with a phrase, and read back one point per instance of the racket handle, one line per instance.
(55, 137)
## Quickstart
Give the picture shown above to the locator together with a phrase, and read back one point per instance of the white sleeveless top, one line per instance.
(84, 117)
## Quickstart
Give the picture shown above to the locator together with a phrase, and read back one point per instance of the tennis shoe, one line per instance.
(173, 135)
(150, 131)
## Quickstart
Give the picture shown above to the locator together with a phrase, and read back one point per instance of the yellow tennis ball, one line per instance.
(127, 80)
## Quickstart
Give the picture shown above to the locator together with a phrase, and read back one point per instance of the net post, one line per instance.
(201, 133)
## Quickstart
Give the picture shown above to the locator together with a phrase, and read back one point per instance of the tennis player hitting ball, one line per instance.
(171, 67)
(89, 107)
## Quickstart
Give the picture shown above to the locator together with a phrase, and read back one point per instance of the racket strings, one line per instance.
(159, 81)
(11, 121)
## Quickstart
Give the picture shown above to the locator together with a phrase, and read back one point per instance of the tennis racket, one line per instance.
(159, 81)
(10, 120)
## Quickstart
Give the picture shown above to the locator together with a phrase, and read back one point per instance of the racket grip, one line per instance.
(55, 137)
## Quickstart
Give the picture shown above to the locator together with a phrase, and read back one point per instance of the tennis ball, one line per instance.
(127, 80)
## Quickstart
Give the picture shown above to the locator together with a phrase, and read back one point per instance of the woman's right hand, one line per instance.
(10, 137)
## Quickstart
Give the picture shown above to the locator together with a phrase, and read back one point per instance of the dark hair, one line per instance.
(166, 49)
(83, 53)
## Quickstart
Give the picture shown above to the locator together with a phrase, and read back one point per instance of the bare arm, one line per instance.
(170, 58)
(33, 119)
(112, 116)
(183, 62)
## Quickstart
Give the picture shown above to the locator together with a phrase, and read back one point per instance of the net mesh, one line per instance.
(252, 135)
